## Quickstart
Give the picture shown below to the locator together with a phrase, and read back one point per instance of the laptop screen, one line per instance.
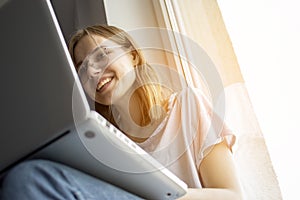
(36, 80)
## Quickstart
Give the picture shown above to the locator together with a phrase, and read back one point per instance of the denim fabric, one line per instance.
(41, 179)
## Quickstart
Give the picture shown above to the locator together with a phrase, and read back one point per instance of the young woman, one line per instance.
(178, 129)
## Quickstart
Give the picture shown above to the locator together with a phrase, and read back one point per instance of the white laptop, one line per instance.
(45, 113)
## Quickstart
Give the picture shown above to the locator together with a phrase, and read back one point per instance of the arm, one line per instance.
(218, 177)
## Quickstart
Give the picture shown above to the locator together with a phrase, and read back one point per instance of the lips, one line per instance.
(103, 82)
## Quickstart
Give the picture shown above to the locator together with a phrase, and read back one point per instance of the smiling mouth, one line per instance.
(103, 82)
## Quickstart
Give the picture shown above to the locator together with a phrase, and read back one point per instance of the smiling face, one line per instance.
(104, 81)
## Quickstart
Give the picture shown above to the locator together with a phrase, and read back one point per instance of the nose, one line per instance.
(93, 72)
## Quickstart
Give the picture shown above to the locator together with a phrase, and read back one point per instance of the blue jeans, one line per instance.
(41, 179)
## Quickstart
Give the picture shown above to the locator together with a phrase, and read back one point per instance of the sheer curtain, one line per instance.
(202, 22)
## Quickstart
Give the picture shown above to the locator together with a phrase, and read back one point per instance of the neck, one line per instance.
(128, 114)
(128, 109)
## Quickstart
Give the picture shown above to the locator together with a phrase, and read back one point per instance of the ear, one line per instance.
(135, 57)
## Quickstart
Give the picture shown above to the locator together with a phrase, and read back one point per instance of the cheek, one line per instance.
(129, 79)
(124, 85)
(126, 74)
(90, 91)
(125, 68)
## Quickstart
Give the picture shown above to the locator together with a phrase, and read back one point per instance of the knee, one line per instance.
(35, 179)
(29, 172)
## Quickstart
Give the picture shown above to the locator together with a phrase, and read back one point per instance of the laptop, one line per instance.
(45, 113)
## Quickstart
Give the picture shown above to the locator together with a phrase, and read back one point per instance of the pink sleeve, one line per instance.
(203, 123)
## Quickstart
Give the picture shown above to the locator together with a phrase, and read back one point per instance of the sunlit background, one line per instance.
(266, 39)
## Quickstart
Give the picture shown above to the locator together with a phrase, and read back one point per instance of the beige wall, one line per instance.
(135, 14)
(130, 14)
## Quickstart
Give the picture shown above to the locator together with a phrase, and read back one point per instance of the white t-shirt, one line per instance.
(190, 128)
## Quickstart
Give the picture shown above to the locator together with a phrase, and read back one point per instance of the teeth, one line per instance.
(102, 83)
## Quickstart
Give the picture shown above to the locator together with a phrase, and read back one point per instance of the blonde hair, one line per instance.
(150, 92)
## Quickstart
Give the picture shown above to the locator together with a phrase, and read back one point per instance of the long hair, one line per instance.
(149, 92)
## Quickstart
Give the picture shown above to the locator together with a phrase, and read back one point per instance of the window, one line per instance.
(192, 22)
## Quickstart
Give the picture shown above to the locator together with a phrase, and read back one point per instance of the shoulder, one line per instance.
(189, 103)
(191, 90)
(190, 96)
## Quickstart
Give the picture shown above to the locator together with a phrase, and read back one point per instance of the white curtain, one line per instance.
(203, 23)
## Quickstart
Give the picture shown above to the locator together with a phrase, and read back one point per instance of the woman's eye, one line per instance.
(107, 50)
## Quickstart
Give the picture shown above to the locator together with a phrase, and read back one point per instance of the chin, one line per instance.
(104, 101)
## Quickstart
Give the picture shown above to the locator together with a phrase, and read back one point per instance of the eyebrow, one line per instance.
(77, 65)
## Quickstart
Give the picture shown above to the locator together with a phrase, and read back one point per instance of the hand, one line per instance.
(211, 194)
